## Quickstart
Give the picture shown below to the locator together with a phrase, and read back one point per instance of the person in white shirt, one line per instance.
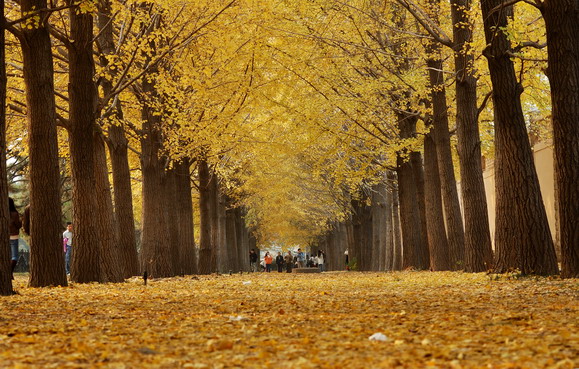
(67, 240)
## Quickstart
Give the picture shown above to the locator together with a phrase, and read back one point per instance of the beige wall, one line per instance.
(543, 155)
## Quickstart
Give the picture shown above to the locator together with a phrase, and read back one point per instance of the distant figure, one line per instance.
(301, 259)
(14, 227)
(268, 260)
(279, 262)
(347, 261)
(321, 259)
(253, 261)
(289, 262)
(67, 241)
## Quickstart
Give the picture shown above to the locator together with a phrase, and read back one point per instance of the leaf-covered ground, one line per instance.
(429, 320)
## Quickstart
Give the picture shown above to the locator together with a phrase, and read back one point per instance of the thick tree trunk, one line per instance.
(5, 268)
(184, 212)
(478, 250)
(205, 245)
(118, 151)
(124, 215)
(454, 225)
(522, 237)
(437, 241)
(389, 250)
(562, 22)
(412, 208)
(108, 236)
(46, 256)
(155, 245)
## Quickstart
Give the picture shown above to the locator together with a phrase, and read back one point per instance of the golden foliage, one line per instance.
(430, 320)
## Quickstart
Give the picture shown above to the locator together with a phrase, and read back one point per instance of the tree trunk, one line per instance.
(225, 252)
(379, 225)
(184, 211)
(478, 249)
(5, 268)
(412, 208)
(108, 236)
(231, 236)
(441, 136)
(83, 95)
(396, 224)
(172, 216)
(46, 256)
(562, 20)
(118, 151)
(214, 219)
(205, 246)
(155, 245)
(437, 241)
(522, 237)
(389, 247)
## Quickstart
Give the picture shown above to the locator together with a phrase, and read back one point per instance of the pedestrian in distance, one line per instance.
(14, 228)
(301, 259)
(252, 261)
(289, 261)
(321, 259)
(67, 244)
(279, 262)
(268, 260)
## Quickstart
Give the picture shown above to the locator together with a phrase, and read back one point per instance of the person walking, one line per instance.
(301, 259)
(67, 241)
(321, 259)
(279, 262)
(252, 261)
(268, 260)
(289, 261)
(14, 228)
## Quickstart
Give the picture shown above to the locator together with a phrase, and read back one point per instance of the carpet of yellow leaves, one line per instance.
(429, 320)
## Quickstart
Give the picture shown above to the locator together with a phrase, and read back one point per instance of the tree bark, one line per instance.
(46, 256)
(184, 211)
(396, 224)
(83, 95)
(412, 208)
(231, 236)
(441, 137)
(522, 237)
(5, 268)
(437, 241)
(205, 245)
(478, 249)
(155, 245)
(562, 20)
(118, 151)
(225, 252)
(109, 245)
(379, 225)
(171, 210)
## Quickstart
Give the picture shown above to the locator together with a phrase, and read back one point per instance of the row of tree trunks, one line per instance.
(522, 237)
(46, 256)
(184, 215)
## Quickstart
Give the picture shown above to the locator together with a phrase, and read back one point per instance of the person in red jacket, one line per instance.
(268, 260)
